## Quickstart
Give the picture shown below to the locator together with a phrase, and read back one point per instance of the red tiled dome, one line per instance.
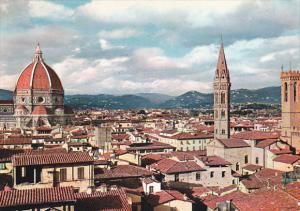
(38, 75)
(39, 110)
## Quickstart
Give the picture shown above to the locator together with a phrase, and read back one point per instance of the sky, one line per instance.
(170, 47)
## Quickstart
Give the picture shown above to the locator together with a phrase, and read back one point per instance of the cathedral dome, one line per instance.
(39, 76)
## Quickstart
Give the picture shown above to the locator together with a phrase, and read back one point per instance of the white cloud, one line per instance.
(47, 9)
(106, 45)
(122, 33)
(151, 12)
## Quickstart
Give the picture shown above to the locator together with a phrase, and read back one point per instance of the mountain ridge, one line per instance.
(191, 99)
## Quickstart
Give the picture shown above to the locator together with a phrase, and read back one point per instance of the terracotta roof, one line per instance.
(169, 166)
(263, 178)
(214, 161)
(165, 196)
(256, 135)
(266, 200)
(148, 146)
(200, 191)
(293, 189)
(113, 200)
(233, 143)
(212, 202)
(281, 151)
(16, 141)
(52, 158)
(119, 136)
(252, 167)
(187, 136)
(123, 171)
(265, 143)
(39, 110)
(286, 158)
(36, 196)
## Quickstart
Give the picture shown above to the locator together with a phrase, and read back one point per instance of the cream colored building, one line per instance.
(45, 170)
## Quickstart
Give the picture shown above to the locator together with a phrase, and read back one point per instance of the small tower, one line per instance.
(290, 108)
(222, 98)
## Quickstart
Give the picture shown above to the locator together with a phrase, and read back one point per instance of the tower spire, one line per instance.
(222, 97)
(38, 55)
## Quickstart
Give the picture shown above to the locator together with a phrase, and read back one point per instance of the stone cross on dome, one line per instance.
(38, 53)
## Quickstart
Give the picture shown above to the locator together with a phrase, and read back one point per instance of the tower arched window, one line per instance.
(222, 98)
(223, 114)
(295, 91)
(285, 92)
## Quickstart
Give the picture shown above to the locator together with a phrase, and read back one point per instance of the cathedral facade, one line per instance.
(38, 98)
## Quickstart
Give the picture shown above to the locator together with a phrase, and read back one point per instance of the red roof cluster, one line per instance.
(169, 166)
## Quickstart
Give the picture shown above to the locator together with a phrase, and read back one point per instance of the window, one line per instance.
(237, 166)
(151, 189)
(198, 176)
(295, 91)
(222, 98)
(223, 173)
(211, 174)
(80, 172)
(223, 114)
(246, 159)
(256, 160)
(223, 132)
(176, 177)
(285, 92)
(41, 99)
(233, 182)
(63, 175)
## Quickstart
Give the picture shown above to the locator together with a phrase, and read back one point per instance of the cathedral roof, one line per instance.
(38, 75)
(39, 110)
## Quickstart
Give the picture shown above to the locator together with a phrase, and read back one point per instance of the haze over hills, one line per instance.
(191, 99)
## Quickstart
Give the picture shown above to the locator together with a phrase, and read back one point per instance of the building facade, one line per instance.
(290, 105)
(222, 98)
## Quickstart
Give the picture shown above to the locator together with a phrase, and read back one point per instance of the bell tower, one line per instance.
(222, 98)
(290, 108)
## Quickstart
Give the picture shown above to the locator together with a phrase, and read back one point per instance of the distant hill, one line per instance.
(108, 101)
(191, 99)
(5, 94)
(156, 98)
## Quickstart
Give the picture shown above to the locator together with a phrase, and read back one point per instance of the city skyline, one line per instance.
(99, 47)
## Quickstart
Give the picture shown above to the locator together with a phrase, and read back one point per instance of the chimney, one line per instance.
(113, 187)
(90, 190)
(102, 188)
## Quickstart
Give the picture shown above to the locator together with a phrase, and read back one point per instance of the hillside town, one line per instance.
(53, 157)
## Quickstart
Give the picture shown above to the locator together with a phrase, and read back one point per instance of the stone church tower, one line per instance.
(290, 106)
(222, 98)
